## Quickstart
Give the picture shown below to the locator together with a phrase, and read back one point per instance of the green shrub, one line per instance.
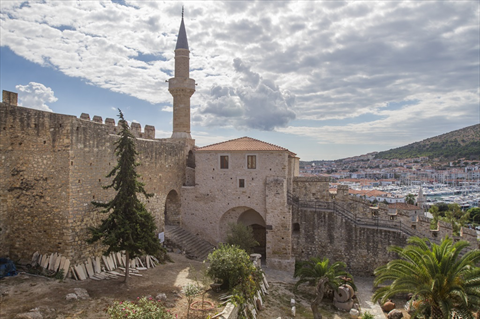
(227, 265)
(241, 236)
(368, 315)
(232, 266)
(143, 308)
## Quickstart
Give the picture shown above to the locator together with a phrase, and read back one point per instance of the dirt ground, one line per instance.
(22, 293)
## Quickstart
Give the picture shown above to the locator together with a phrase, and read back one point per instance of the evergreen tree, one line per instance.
(128, 226)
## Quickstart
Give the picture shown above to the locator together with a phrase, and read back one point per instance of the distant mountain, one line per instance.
(463, 143)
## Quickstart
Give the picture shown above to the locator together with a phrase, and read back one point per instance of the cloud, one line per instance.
(341, 66)
(36, 95)
(253, 103)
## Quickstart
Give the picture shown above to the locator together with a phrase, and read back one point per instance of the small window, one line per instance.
(251, 161)
(224, 161)
(241, 183)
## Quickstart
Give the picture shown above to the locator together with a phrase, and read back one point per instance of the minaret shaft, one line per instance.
(181, 87)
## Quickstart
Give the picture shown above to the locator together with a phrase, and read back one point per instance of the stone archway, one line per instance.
(172, 209)
(248, 217)
(255, 220)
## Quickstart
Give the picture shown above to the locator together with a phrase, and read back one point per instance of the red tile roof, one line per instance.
(244, 144)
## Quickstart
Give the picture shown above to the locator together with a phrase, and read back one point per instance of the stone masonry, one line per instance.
(53, 166)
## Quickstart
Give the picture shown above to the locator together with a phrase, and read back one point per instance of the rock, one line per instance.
(169, 304)
(388, 306)
(81, 293)
(395, 314)
(32, 314)
(354, 313)
(161, 296)
(71, 296)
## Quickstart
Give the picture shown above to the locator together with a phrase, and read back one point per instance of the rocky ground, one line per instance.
(47, 297)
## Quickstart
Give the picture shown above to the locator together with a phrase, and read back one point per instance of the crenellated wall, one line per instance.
(347, 228)
(53, 166)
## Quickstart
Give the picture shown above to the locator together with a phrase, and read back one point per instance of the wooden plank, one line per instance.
(110, 262)
(44, 263)
(105, 262)
(65, 267)
(57, 263)
(89, 267)
(120, 261)
(74, 274)
(97, 265)
(80, 272)
(114, 260)
(35, 258)
(51, 262)
(62, 262)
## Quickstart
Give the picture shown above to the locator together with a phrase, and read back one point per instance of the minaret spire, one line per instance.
(181, 86)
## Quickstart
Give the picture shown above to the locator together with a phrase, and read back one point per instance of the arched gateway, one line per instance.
(172, 209)
(248, 217)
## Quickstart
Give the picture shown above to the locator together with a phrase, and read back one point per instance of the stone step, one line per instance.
(193, 245)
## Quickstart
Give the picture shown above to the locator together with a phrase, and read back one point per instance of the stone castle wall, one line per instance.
(54, 165)
(325, 232)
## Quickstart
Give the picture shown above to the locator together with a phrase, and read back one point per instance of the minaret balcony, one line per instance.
(181, 83)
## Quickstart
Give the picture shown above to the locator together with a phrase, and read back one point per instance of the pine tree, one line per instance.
(128, 226)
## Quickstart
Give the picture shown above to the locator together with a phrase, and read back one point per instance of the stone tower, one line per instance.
(181, 86)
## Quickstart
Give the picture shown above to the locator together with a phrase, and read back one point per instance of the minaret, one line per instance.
(181, 87)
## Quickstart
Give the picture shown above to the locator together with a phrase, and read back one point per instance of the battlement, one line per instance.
(135, 128)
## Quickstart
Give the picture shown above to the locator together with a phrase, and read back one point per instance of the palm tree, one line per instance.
(410, 199)
(442, 281)
(320, 273)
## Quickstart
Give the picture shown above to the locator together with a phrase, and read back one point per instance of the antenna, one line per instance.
(182, 12)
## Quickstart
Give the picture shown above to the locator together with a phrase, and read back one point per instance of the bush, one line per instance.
(227, 265)
(143, 308)
(232, 266)
(368, 315)
(241, 236)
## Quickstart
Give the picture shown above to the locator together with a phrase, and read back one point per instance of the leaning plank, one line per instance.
(105, 262)
(44, 263)
(57, 262)
(51, 263)
(89, 267)
(80, 272)
(62, 262)
(74, 274)
(35, 258)
(65, 267)
(119, 259)
(96, 265)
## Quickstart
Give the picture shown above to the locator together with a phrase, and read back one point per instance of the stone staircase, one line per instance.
(194, 246)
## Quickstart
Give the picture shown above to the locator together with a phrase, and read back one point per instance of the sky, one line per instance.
(325, 79)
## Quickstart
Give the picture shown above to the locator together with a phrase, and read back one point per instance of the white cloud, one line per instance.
(36, 95)
(260, 65)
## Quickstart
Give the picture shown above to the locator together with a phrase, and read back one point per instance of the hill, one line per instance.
(463, 143)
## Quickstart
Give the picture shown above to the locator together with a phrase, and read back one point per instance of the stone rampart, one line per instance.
(54, 165)
(348, 228)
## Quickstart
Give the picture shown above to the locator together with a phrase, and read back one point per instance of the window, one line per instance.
(251, 161)
(241, 183)
(224, 161)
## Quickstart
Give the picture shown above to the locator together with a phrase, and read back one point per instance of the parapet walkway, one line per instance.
(364, 292)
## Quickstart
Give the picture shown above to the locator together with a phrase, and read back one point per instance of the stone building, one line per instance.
(243, 181)
(52, 166)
